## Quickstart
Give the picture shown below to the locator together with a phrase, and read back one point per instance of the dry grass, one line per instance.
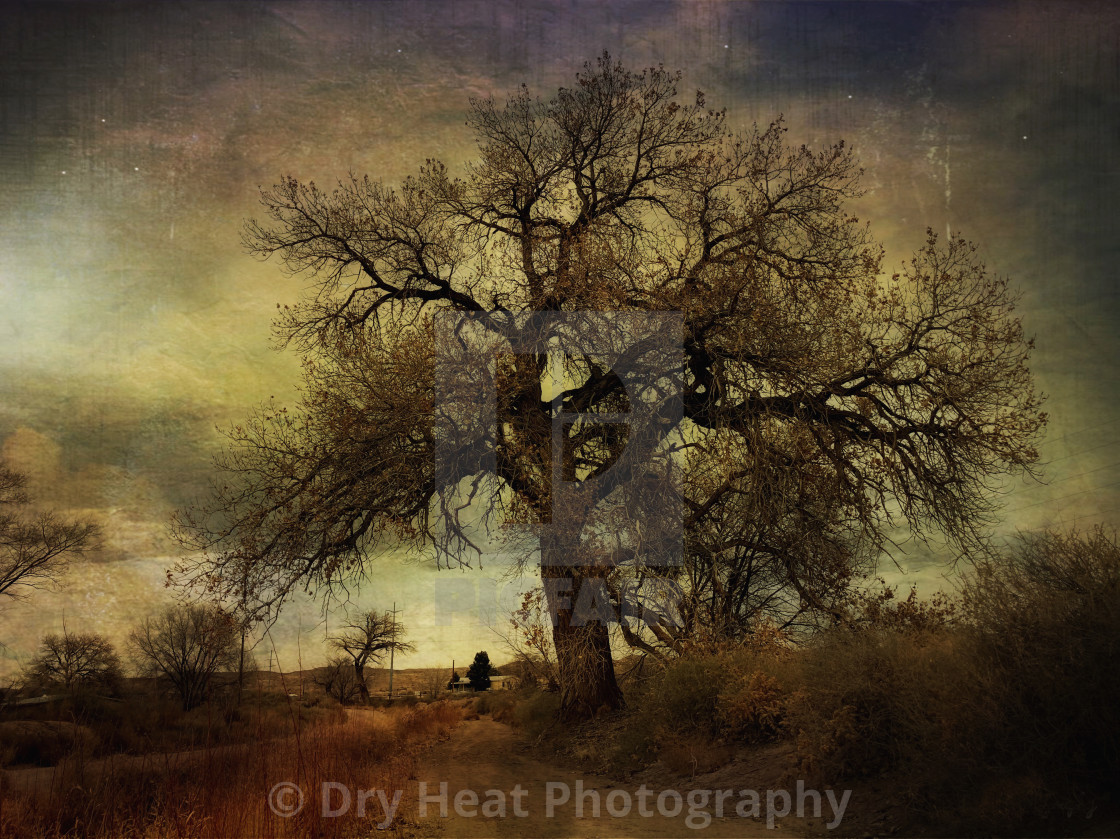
(144, 718)
(499, 704)
(223, 791)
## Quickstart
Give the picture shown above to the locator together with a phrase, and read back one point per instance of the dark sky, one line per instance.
(133, 137)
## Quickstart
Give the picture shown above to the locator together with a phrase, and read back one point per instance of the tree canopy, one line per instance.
(187, 646)
(74, 661)
(821, 401)
(34, 545)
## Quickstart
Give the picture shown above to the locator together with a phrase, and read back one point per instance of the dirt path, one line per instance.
(484, 755)
(506, 788)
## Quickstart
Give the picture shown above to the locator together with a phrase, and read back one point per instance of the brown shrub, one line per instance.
(693, 755)
(753, 708)
(1009, 711)
(43, 743)
(499, 704)
(1045, 629)
(537, 713)
(876, 701)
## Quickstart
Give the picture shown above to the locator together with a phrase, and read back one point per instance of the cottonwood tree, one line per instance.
(187, 645)
(810, 391)
(367, 639)
(76, 661)
(34, 546)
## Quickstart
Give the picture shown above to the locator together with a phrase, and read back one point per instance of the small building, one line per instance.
(496, 683)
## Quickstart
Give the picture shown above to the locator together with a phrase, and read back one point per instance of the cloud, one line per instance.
(133, 323)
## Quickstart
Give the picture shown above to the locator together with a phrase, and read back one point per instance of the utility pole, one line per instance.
(241, 666)
(392, 649)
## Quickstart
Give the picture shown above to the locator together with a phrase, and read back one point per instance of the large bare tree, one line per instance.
(366, 639)
(814, 403)
(34, 545)
(187, 645)
(74, 661)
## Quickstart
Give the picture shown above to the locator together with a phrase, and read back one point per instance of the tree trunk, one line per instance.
(363, 689)
(583, 649)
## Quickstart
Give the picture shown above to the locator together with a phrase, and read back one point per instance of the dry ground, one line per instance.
(485, 755)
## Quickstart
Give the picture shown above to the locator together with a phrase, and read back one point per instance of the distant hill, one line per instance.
(409, 680)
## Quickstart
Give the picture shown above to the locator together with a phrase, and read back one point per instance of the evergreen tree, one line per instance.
(479, 673)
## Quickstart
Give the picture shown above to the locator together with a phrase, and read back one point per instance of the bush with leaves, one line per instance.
(880, 608)
(1008, 710)
(530, 639)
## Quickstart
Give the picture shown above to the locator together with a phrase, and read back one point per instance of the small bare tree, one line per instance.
(75, 661)
(366, 639)
(339, 680)
(435, 681)
(187, 645)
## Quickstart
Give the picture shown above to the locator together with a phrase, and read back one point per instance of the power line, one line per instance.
(1069, 521)
(392, 649)
(1083, 474)
(1070, 478)
(1084, 516)
(1083, 451)
(1068, 434)
(1061, 498)
(1104, 445)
